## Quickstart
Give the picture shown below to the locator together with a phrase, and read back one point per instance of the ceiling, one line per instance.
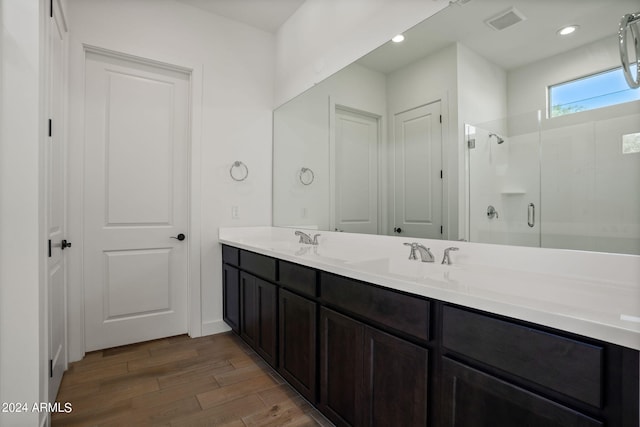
(525, 42)
(267, 15)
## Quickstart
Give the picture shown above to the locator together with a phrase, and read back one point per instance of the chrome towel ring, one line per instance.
(240, 174)
(630, 23)
(306, 176)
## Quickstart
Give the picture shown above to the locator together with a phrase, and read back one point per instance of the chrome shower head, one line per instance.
(498, 137)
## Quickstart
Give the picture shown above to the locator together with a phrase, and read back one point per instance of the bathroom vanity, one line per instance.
(372, 338)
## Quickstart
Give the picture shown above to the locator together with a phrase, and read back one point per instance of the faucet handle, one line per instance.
(446, 259)
(414, 247)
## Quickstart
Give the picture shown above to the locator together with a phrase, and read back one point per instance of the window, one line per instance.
(590, 92)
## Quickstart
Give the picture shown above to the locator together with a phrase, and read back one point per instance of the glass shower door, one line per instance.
(503, 170)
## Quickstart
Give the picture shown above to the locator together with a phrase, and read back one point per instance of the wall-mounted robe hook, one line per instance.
(241, 171)
(306, 176)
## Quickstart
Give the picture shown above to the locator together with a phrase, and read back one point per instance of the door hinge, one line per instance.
(441, 230)
(49, 248)
(471, 143)
(50, 8)
(50, 128)
(440, 118)
(440, 173)
(50, 368)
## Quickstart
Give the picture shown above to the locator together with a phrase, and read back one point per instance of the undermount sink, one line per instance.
(408, 268)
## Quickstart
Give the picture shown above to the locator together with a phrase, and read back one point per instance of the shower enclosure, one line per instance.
(567, 182)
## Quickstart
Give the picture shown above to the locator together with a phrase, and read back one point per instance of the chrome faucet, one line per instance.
(446, 260)
(425, 253)
(306, 239)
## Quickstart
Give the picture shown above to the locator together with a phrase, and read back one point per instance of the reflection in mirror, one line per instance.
(420, 138)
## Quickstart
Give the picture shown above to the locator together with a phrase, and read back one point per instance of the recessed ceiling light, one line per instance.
(569, 29)
(397, 39)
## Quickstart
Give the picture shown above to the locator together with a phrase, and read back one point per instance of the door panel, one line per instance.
(136, 194)
(267, 312)
(55, 207)
(128, 292)
(341, 368)
(472, 398)
(231, 295)
(139, 186)
(356, 172)
(418, 163)
(298, 342)
(248, 311)
(397, 395)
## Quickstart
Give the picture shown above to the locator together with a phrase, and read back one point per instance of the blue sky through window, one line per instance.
(588, 93)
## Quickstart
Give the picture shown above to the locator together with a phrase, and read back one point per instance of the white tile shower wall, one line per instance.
(237, 64)
(589, 194)
(482, 96)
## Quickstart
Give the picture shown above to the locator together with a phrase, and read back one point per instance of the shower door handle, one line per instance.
(531, 215)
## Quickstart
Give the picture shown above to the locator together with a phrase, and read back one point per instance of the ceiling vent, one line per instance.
(505, 19)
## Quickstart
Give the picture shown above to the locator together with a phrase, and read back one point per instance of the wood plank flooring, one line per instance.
(210, 381)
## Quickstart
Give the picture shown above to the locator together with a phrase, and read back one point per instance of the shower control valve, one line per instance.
(492, 212)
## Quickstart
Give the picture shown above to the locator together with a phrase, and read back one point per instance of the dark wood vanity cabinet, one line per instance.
(367, 355)
(369, 377)
(231, 287)
(231, 297)
(342, 393)
(258, 326)
(473, 398)
(298, 347)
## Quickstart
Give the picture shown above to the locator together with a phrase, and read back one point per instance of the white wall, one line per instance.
(323, 36)
(22, 334)
(233, 95)
(302, 138)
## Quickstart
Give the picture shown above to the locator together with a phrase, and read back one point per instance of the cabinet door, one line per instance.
(267, 316)
(341, 371)
(231, 297)
(395, 380)
(298, 343)
(475, 399)
(248, 311)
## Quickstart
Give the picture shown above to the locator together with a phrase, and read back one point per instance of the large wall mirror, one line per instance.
(484, 124)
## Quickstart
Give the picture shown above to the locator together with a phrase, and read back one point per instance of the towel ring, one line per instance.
(244, 171)
(306, 176)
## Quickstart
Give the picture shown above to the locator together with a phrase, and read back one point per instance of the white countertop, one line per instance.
(591, 294)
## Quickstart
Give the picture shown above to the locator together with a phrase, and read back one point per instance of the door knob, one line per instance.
(180, 237)
(64, 244)
(397, 230)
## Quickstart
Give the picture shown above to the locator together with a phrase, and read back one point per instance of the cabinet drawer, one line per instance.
(404, 313)
(298, 278)
(567, 366)
(230, 255)
(259, 265)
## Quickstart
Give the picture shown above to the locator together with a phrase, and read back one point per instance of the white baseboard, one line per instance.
(214, 327)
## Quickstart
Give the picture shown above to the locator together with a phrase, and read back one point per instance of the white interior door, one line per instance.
(55, 205)
(418, 172)
(135, 200)
(356, 172)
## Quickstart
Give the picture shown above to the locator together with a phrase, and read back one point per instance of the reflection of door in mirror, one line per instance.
(355, 187)
(418, 174)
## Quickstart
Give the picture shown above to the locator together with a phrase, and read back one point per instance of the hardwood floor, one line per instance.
(210, 381)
